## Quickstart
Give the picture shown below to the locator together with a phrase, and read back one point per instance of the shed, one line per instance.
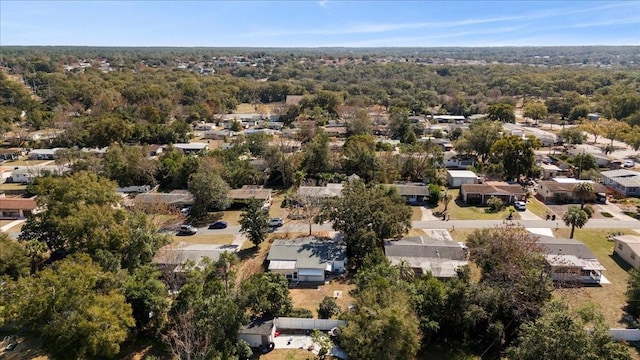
(259, 333)
(456, 178)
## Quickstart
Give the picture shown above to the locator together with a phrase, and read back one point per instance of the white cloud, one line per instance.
(323, 3)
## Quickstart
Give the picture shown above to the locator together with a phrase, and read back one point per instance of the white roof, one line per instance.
(541, 231)
(282, 265)
(191, 146)
(571, 180)
(462, 173)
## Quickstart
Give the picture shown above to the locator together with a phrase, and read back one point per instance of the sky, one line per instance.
(324, 23)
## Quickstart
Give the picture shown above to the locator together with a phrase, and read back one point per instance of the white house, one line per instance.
(26, 174)
(456, 178)
(307, 259)
(192, 148)
(43, 154)
(628, 248)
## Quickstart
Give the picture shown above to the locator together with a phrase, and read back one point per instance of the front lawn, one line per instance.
(610, 298)
(537, 207)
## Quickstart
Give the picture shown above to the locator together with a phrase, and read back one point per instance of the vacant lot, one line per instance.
(610, 298)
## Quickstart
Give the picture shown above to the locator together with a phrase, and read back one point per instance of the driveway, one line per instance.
(528, 215)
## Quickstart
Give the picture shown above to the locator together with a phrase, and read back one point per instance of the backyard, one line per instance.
(610, 298)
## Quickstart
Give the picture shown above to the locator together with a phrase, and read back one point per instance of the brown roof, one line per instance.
(10, 151)
(554, 187)
(487, 189)
(17, 204)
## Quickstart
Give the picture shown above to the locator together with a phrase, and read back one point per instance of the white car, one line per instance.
(629, 163)
(520, 205)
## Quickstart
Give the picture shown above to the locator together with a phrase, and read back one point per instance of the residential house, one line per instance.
(336, 131)
(43, 154)
(16, 208)
(560, 190)
(569, 260)
(259, 333)
(623, 181)
(26, 174)
(287, 145)
(11, 153)
(448, 118)
(442, 258)
(248, 192)
(155, 150)
(307, 259)
(173, 258)
(549, 171)
(218, 134)
(457, 178)
(320, 192)
(479, 194)
(177, 199)
(628, 248)
(601, 159)
(192, 147)
(202, 126)
(453, 160)
(412, 192)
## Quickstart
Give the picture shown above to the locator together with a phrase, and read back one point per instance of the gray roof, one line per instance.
(174, 197)
(171, 255)
(308, 252)
(620, 173)
(562, 246)
(412, 189)
(248, 192)
(258, 327)
(424, 247)
(331, 190)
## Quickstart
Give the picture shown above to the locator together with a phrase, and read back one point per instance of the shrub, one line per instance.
(606, 214)
(328, 308)
(495, 204)
(301, 313)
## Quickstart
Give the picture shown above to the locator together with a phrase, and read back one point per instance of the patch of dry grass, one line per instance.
(610, 298)
(220, 239)
(288, 354)
(311, 298)
(416, 213)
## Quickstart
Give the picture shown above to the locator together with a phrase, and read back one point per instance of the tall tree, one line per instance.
(560, 333)
(535, 111)
(513, 275)
(147, 295)
(266, 294)
(206, 316)
(359, 157)
(130, 165)
(83, 215)
(516, 155)
(360, 124)
(615, 130)
(502, 112)
(14, 259)
(479, 139)
(367, 216)
(382, 323)
(74, 306)
(254, 222)
(575, 217)
(209, 190)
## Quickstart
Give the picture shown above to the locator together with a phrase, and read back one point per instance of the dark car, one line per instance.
(218, 225)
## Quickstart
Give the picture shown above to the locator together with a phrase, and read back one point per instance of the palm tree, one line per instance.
(575, 217)
(584, 191)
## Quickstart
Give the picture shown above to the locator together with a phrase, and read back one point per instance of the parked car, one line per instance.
(520, 205)
(276, 222)
(629, 163)
(218, 225)
(187, 230)
(185, 210)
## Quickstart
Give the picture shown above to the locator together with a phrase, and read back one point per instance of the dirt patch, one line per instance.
(311, 298)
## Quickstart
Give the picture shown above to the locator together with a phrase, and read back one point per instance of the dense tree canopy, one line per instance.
(76, 307)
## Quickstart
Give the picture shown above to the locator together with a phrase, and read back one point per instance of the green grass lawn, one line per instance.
(610, 298)
(537, 207)
(460, 211)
